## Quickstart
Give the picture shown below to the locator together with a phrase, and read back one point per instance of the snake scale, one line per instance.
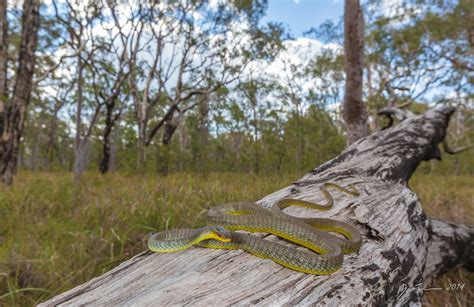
(313, 233)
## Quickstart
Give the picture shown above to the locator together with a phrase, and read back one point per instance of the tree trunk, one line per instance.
(79, 142)
(110, 119)
(256, 132)
(165, 149)
(354, 112)
(141, 146)
(53, 126)
(80, 160)
(402, 248)
(3, 58)
(15, 110)
(35, 153)
(170, 127)
(113, 150)
(106, 148)
(3, 67)
(203, 158)
(142, 133)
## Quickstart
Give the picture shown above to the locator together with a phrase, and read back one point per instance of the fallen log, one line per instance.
(402, 248)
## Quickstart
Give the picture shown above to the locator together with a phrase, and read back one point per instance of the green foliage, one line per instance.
(310, 140)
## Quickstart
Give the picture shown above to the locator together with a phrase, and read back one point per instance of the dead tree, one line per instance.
(402, 248)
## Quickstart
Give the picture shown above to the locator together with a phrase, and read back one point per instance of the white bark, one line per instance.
(401, 246)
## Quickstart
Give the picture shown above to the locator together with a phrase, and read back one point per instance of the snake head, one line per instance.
(221, 234)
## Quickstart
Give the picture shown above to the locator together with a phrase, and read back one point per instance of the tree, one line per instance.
(110, 74)
(195, 50)
(79, 20)
(416, 51)
(354, 112)
(12, 117)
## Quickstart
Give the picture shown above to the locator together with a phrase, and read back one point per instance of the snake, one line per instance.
(322, 253)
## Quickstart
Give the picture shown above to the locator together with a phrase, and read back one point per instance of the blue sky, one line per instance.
(301, 15)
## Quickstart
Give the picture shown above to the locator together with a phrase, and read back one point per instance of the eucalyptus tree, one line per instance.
(294, 87)
(418, 51)
(13, 107)
(354, 111)
(252, 96)
(53, 140)
(193, 49)
(328, 68)
(110, 70)
(79, 20)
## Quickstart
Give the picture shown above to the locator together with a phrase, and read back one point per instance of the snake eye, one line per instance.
(222, 233)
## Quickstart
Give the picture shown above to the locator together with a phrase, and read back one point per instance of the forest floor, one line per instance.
(55, 235)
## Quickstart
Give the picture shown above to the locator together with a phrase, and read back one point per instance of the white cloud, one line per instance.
(300, 53)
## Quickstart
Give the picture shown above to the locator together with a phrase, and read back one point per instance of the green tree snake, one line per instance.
(312, 233)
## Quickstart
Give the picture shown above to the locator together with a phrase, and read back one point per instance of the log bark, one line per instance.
(402, 247)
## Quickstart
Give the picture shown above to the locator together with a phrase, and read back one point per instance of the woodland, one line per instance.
(118, 118)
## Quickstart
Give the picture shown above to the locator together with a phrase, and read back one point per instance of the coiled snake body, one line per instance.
(312, 233)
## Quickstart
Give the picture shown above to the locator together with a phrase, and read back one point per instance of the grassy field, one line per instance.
(54, 235)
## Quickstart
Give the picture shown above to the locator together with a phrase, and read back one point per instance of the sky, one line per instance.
(301, 15)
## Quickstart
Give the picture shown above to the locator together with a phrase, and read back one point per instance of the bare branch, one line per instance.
(453, 151)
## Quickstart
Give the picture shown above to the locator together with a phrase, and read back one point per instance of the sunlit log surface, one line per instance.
(402, 248)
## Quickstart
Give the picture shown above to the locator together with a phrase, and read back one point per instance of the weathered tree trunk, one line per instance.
(402, 247)
(354, 112)
(15, 110)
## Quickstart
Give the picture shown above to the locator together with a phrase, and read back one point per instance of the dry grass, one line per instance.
(446, 197)
(54, 236)
(450, 198)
